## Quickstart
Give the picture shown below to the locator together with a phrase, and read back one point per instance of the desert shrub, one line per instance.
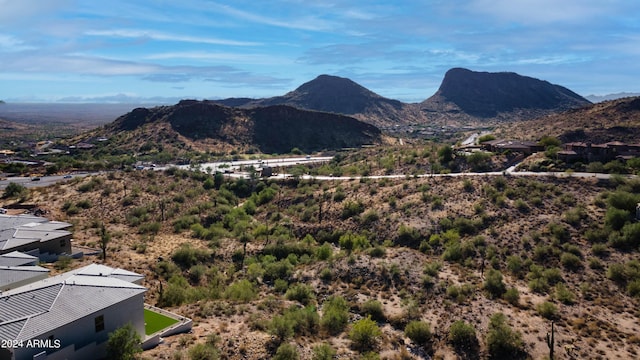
(502, 341)
(515, 266)
(241, 290)
(370, 217)
(377, 252)
(460, 293)
(335, 314)
(559, 232)
(564, 295)
(418, 331)
(374, 309)
(633, 288)
(570, 261)
(277, 270)
(286, 351)
(432, 268)
(364, 334)
(174, 293)
(408, 236)
(187, 256)
(616, 272)
(323, 351)
(351, 208)
(149, 228)
(616, 218)
(623, 200)
(203, 351)
(512, 296)
(184, 222)
(281, 327)
(301, 293)
(15, 190)
(494, 284)
(547, 310)
(352, 242)
(324, 252)
(462, 335)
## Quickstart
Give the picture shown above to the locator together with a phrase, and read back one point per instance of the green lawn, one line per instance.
(154, 322)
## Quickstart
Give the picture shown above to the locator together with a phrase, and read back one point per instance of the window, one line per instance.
(99, 321)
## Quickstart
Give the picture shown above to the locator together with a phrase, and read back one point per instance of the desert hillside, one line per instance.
(267, 267)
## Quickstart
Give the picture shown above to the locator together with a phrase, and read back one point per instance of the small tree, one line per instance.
(418, 331)
(124, 343)
(502, 341)
(365, 334)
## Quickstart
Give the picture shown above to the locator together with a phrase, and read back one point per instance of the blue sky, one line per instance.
(86, 50)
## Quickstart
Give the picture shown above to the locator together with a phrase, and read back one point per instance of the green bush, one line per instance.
(301, 293)
(374, 309)
(324, 252)
(202, 352)
(502, 341)
(187, 256)
(351, 208)
(570, 261)
(323, 351)
(494, 284)
(364, 334)
(335, 314)
(462, 335)
(286, 352)
(512, 296)
(241, 290)
(547, 310)
(418, 331)
(564, 295)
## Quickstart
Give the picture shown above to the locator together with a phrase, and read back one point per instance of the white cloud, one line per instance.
(159, 36)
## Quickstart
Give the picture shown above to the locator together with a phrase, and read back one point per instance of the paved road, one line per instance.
(285, 162)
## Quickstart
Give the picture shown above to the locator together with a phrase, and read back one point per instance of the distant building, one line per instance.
(520, 146)
(588, 152)
(70, 316)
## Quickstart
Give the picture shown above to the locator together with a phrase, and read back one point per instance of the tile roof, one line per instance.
(48, 304)
(13, 274)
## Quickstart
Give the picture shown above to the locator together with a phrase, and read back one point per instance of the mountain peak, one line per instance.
(485, 94)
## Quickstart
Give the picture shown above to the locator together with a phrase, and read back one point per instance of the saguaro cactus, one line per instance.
(550, 342)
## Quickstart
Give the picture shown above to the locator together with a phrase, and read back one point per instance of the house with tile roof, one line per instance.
(69, 316)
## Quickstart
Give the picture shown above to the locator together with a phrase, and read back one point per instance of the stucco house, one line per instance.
(69, 316)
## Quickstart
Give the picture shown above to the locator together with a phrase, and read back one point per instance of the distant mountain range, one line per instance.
(600, 98)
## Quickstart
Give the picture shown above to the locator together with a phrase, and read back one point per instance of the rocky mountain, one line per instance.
(471, 95)
(614, 120)
(270, 129)
(339, 95)
(464, 96)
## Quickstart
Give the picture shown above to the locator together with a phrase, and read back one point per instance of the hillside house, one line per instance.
(588, 152)
(517, 146)
(35, 236)
(70, 316)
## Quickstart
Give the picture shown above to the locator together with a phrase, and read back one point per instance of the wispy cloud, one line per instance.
(159, 36)
(305, 22)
